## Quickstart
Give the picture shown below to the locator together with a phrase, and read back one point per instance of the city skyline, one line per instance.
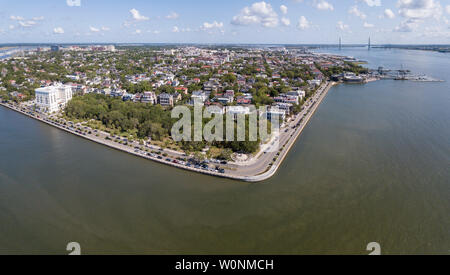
(271, 22)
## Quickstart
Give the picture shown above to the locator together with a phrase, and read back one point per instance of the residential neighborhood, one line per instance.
(130, 91)
(182, 75)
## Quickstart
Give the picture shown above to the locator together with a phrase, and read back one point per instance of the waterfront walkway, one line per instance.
(254, 171)
(262, 170)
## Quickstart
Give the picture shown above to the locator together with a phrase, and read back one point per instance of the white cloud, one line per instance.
(342, 26)
(73, 3)
(137, 15)
(284, 9)
(211, 28)
(95, 29)
(407, 26)
(447, 8)
(323, 5)
(16, 18)
(303, 23)
(175, 29)
(173, 15)
(22, 22)
(58, 30)
(446, 21)
(27, 24)
(213, 25)
(258, 13)
(189, 29)
(389, 13)
(368, 25)
(127, 23)
(11, 27)
(372, 3)
(154, 32)
(137, 32)
(285, 21)
(92, 29)
(419, 9)
(355, 11)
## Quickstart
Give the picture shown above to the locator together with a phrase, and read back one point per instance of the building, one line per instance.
(224, 100)
(54, 48)
(215, 109)
(300, 93)
(353, 78)
(111, 48)
(177, 97)
(198, 98)
(284, 98)
(53, 98)
(287, 108)
(235, 111)
(149, 97)
(166, 100)
(275, 113)
(183, 90)
(243, 100)
(77, 88)
(17, 95)
(117, 93)
(314, 82)
(73, 77)
(337, 77)
(128, 97)
(229, 93)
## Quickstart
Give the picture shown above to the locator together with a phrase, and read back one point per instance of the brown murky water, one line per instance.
(373, 165)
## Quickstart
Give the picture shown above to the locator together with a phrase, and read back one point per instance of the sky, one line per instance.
(231, 21)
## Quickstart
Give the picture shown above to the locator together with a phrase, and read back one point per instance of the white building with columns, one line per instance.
(53, 98)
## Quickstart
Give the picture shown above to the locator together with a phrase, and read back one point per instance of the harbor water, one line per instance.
(373, 165)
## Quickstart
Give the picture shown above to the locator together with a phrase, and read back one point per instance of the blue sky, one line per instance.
(231, 21)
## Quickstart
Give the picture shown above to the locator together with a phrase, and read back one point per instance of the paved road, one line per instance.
(256, 171)
(287, 135)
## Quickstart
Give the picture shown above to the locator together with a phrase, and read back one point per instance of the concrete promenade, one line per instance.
(318, 98)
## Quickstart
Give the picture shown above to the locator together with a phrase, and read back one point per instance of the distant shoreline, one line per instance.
(309, 45)
(427, 48)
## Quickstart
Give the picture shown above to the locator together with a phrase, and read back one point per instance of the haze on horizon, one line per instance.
(234, 21)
